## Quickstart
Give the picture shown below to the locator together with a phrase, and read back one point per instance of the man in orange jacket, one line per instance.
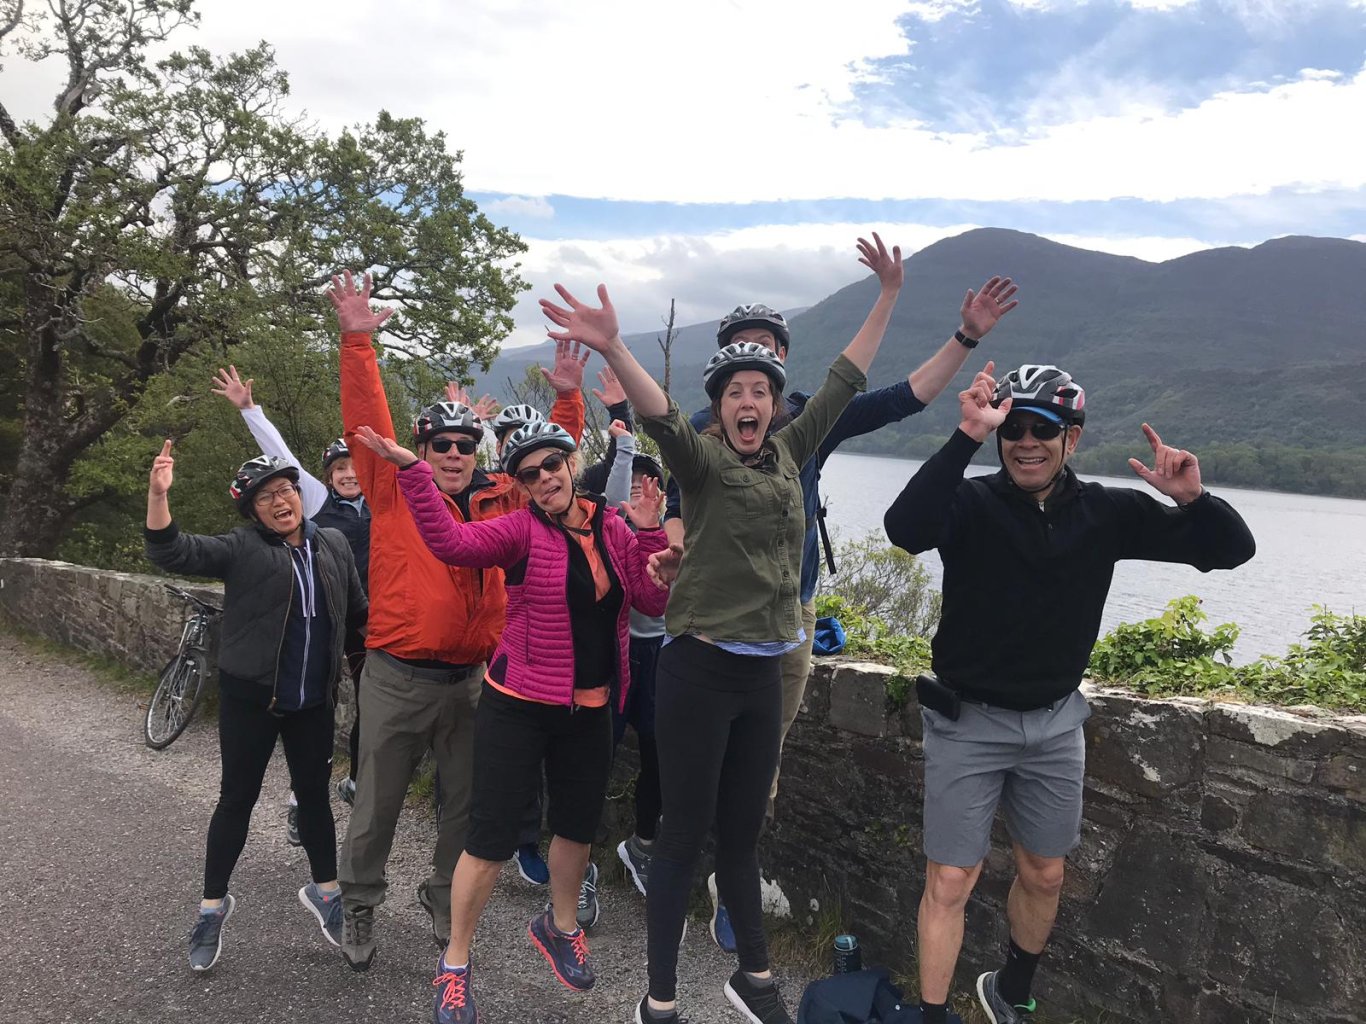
(432, 626)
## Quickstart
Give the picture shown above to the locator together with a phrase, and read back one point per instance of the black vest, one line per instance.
(355, 527)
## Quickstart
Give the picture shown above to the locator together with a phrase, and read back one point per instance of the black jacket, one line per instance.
(259, 586)
(1024, 586)
(354, 526)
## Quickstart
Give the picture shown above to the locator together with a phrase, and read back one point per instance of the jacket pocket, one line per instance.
(742, 492)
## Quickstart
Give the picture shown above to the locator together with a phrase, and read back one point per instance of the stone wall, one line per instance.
(1221, 876)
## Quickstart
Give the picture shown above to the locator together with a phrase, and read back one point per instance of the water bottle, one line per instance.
(848, 957)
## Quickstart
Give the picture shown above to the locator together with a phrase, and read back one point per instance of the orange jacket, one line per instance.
(419, 606)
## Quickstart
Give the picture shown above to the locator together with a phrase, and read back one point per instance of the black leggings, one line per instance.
(355, 661)
(718, 729)
(640, 715)
(246, 739)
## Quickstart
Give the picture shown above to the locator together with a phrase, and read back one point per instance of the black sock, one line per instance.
(1017, 975)
(934, 1013)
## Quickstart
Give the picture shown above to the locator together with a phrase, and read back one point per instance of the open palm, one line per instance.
(594, 326)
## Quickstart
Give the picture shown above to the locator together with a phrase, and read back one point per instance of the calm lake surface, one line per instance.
(1310, 550)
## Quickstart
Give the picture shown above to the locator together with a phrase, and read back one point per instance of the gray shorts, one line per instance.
(1033, 762)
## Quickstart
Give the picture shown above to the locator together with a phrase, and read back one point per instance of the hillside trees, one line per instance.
(175, 211)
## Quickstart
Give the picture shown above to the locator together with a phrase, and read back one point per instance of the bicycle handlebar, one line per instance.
(185, 595)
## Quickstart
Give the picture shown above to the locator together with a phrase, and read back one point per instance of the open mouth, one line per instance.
(747, 429)
(284, 515)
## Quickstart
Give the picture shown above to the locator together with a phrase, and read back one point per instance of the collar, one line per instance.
(1064, 491)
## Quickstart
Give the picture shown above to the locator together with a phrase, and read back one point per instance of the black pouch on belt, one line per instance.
(937, 696)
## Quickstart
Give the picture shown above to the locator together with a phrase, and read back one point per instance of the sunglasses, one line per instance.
(551, 464)
(464, 445)
(1043, 430)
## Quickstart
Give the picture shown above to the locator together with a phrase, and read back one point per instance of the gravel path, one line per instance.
(102, 844)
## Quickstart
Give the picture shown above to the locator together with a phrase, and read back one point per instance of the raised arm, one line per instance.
(165, 545)
(362, 389)
(890, 273)
(618, 488)
(981, 311)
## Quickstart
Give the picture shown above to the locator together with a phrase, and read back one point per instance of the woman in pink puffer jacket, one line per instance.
(574, 570)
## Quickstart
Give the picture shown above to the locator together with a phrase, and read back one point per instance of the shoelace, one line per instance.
(586, 892)
(765, 1000)
(454, 996)
(580, 943)
(203, 926)
(360, 925)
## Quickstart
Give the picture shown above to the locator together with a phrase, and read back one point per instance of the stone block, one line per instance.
(1307, 826)
(1345, 773)
(1224, 753)
(858, 699)
(1150, 748)
(1280, 730)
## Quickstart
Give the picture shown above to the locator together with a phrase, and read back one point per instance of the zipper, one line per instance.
(308, 591)
(334, 669)
(275, 681)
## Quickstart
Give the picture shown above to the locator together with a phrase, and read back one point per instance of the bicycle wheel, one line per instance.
(177, 697)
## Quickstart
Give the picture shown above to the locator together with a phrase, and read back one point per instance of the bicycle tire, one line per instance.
(176, 699)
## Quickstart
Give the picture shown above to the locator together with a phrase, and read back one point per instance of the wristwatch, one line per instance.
(964, 340)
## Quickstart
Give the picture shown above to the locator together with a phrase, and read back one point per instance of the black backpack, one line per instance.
(861, 997)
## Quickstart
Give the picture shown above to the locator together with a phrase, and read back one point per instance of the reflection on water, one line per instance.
(1310, 550)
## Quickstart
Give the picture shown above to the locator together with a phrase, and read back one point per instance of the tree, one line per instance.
(666, 345)
(177, 208)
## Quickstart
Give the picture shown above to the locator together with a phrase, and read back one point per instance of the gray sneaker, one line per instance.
(441, 923)
(206, 938)
(998, 1010)
(636, 859)
(292, 826)
(587, 913)
(328, 911)
(346, 791)
(358, 938)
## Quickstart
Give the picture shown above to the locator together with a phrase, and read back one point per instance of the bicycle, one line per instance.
(181, 686)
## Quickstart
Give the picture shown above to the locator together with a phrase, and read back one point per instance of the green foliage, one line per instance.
(1172, 655)
(884, 583)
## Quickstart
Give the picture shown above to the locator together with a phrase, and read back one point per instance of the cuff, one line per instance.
(845, 370)
(356, 338)
(162, 536)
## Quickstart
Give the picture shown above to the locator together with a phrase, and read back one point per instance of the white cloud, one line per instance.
(521, 206)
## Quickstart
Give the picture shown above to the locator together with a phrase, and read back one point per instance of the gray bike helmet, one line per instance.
(252, 474)
(444, 416)
(334, 451)
(753, 314)
(533, 437)
(743, 355)
(514, 416)
(1045, 389)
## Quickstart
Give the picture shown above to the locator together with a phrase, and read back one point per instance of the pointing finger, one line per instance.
(1152, 437)
(166, 448)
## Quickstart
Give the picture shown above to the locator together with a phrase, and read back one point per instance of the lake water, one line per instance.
(1310, 550)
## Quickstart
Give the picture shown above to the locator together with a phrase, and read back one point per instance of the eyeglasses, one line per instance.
(551, 464)
(268, 497)
(463, 445)
(1043, 430)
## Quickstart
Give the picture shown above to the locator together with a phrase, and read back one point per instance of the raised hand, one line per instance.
(617, 429)
(644, 510)
(662, 566)
(567, 376)
(353, 306)
(982, 309)
(230, 386)
(1175, 472)
(594, 326)
(979, 417)
(163, 471)
(611, 393)
(887, 266)
(385, 447)
(486, 407)
(483, 409)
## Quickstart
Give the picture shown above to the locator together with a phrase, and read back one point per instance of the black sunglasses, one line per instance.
(464, 445)
(551, 464)
(1043, 430)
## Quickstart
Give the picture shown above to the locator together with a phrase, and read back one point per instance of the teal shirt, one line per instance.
(742, 560)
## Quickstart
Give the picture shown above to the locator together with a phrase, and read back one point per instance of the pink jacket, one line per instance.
(538, 640)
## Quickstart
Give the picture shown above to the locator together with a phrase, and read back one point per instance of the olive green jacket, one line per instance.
(742, 559)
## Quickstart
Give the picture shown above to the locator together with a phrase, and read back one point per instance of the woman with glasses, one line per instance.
(573, 572)
(290, 594)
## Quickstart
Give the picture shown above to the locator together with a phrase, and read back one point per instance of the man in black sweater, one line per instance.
(1028, 556)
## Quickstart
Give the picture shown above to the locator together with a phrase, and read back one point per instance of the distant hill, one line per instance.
(1254, 358)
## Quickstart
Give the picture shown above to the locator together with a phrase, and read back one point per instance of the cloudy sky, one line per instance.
(719, 151)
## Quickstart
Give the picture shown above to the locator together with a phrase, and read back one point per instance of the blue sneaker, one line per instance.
(327, 910)
(566, 954)
(454, 996)
(206, 938)
(998, 1010)
(721, 931)
(531, 865)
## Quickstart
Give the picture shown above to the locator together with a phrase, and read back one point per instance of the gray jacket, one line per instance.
(258, 587)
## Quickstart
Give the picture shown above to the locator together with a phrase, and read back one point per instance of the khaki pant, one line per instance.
(796, 668)
(407, 711)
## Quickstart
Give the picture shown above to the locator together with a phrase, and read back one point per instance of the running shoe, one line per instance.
(292, 826)
(531, 865)
(454, 995)
(441, 923)
(566, 954)
(760, 1003)
(327, 909)
(588, 910)
(645, 1015)
(998, 1010)
(206, 938)
(346, 791)
(358, 938)
(636, 859)
(721, 931)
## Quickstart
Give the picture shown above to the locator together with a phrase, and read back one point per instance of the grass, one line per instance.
(124, 680)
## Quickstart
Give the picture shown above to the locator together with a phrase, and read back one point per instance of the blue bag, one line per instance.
(829, 636)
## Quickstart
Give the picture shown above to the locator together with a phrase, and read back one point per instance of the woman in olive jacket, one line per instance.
(291, 595)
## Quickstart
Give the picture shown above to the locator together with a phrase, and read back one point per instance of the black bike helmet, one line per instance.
(753, 314)
(444, 416)
(648, 466)
(743, 355)
(1045, 389)
(533, 437)
(334, 451)
(252, 474)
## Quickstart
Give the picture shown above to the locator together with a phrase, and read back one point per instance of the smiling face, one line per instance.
(551, 490)
(277, 506)
(759, 336)
(342, 476)
(451, 470)
(1033, 463)
(746, 408)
